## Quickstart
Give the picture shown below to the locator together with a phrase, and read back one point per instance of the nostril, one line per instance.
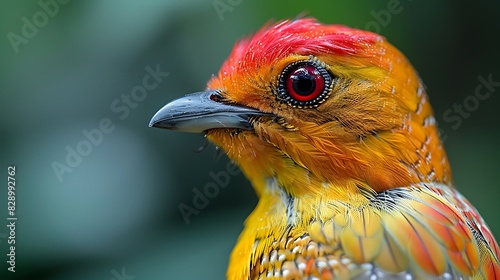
(216, 96)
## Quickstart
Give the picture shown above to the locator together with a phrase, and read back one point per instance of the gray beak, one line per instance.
(198, 112)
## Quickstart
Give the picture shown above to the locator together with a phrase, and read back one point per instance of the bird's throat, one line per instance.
(273, 170)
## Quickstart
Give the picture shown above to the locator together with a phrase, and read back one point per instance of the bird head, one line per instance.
(317, 108)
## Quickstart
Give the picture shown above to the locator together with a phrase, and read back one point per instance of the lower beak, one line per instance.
(198, 112)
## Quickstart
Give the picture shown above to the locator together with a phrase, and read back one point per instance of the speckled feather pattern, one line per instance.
(402, 233)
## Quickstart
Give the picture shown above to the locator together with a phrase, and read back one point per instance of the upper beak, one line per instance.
(200, 111)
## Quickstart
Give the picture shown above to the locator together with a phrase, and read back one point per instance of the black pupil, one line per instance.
(303, 82)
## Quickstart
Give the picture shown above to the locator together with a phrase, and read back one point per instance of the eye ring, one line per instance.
(304, 84)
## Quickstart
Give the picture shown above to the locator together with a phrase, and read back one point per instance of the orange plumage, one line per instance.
(334, 129)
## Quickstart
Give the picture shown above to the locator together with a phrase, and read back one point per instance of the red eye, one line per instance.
(304, 84)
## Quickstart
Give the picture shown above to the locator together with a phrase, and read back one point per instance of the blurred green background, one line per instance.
(116, 215)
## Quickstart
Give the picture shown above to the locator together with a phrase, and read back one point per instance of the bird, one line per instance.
(333, 128)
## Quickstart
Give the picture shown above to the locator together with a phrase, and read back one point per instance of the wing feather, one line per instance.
(427, 230)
